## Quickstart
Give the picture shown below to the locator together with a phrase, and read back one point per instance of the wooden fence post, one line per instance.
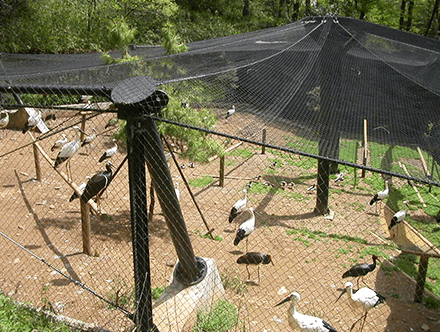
(365, 152)
(86, 229)
(421, 278)
(37, 161)
(222, 171)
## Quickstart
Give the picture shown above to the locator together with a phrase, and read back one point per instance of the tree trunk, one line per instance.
(295, 13)
(246, 11)
(402, 14)
(410, 11)
(308, 10)
(434, 11)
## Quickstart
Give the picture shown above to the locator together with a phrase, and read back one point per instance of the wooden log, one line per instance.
(411, 184)
(263, 148)
(424, 165)
(222, 171)
(83, 126)
(63, 175)
(86, 228)
(421, 279)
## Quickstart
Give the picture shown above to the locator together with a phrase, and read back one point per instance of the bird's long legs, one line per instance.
(364, 316)
(246, 245)
(249, 274)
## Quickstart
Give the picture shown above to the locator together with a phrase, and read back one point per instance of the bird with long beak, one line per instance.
(365, 298)
(97, 184)
(360, 270)
(304, 322)
(254, 258)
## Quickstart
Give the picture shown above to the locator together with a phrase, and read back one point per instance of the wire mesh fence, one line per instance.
(306, 252)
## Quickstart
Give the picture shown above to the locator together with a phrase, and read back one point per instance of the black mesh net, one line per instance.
(244, 116)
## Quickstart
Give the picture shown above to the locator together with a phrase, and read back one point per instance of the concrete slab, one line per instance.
(176, 310)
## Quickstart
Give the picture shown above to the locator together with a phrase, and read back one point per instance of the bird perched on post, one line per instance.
(238, 207)
(230, 112)
(254, 258)
(81, 188)
(360, 270)
(109, 152)
(97, 184)
(58, 144)
(304, 322)
(68, 150)
(245, 229)
(399, 216)
(365, 298)
(381, 195)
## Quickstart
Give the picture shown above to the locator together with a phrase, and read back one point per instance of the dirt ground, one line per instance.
(39, 216)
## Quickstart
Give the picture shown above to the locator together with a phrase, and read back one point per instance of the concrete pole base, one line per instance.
(176, 310)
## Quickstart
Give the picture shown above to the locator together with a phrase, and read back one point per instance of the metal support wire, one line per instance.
(76, 282)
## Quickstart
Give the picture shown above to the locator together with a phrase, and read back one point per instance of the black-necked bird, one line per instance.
(109, 152)
(360, 270)
(254, 258)
(365, 298)
(81, 188)
(245, 229)
(59, 143)
(303, 322)
(97, 183)
(238, 207)
(399, 216)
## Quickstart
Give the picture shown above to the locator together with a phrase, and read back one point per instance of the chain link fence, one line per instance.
(55, 260)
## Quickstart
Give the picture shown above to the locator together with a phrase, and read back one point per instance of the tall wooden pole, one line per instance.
(86, 228)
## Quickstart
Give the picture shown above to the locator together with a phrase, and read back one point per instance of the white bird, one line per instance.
(109, 152)
(4, 119)
(339, 177)
(399, 216)
(68, 150)
(381, 195)
(311, 188)
(58, 144)
(32, 121)
(365, 298)
(230, 112)
(89, 139)
(245, 229)
(176, 188)
(238, 207)
(303, 322)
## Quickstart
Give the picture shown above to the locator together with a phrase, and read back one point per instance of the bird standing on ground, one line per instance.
(360, 270)
(230, 112)
(58, 144)
(304, 322)
(68, 150)
(245, 229)
(4, 119)
(109, 152)
(399, 216)
(254, 258)
(381, 195)
(32, 120)
(97, 184)
(365, 298)
(238, 207)
(89, 139)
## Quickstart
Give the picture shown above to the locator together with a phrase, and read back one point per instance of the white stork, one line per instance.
(89, 139)
(365, 298)
(238, 207)
(303, 322)
(381, 196)
(109, 152)
(68, 150)
(58, 144)
(399, 216)
(245, 229)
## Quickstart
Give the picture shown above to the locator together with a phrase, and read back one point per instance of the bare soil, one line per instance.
(38, 215)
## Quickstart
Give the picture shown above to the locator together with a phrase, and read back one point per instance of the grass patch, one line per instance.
(234, 283)
(207, 236)
(223, 317)
(16, 317)
(157, 292)
(201, 182)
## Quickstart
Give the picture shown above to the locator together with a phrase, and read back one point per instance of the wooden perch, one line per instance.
(226, 150)
(424, 165)
(414, 187)
(91, 203)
